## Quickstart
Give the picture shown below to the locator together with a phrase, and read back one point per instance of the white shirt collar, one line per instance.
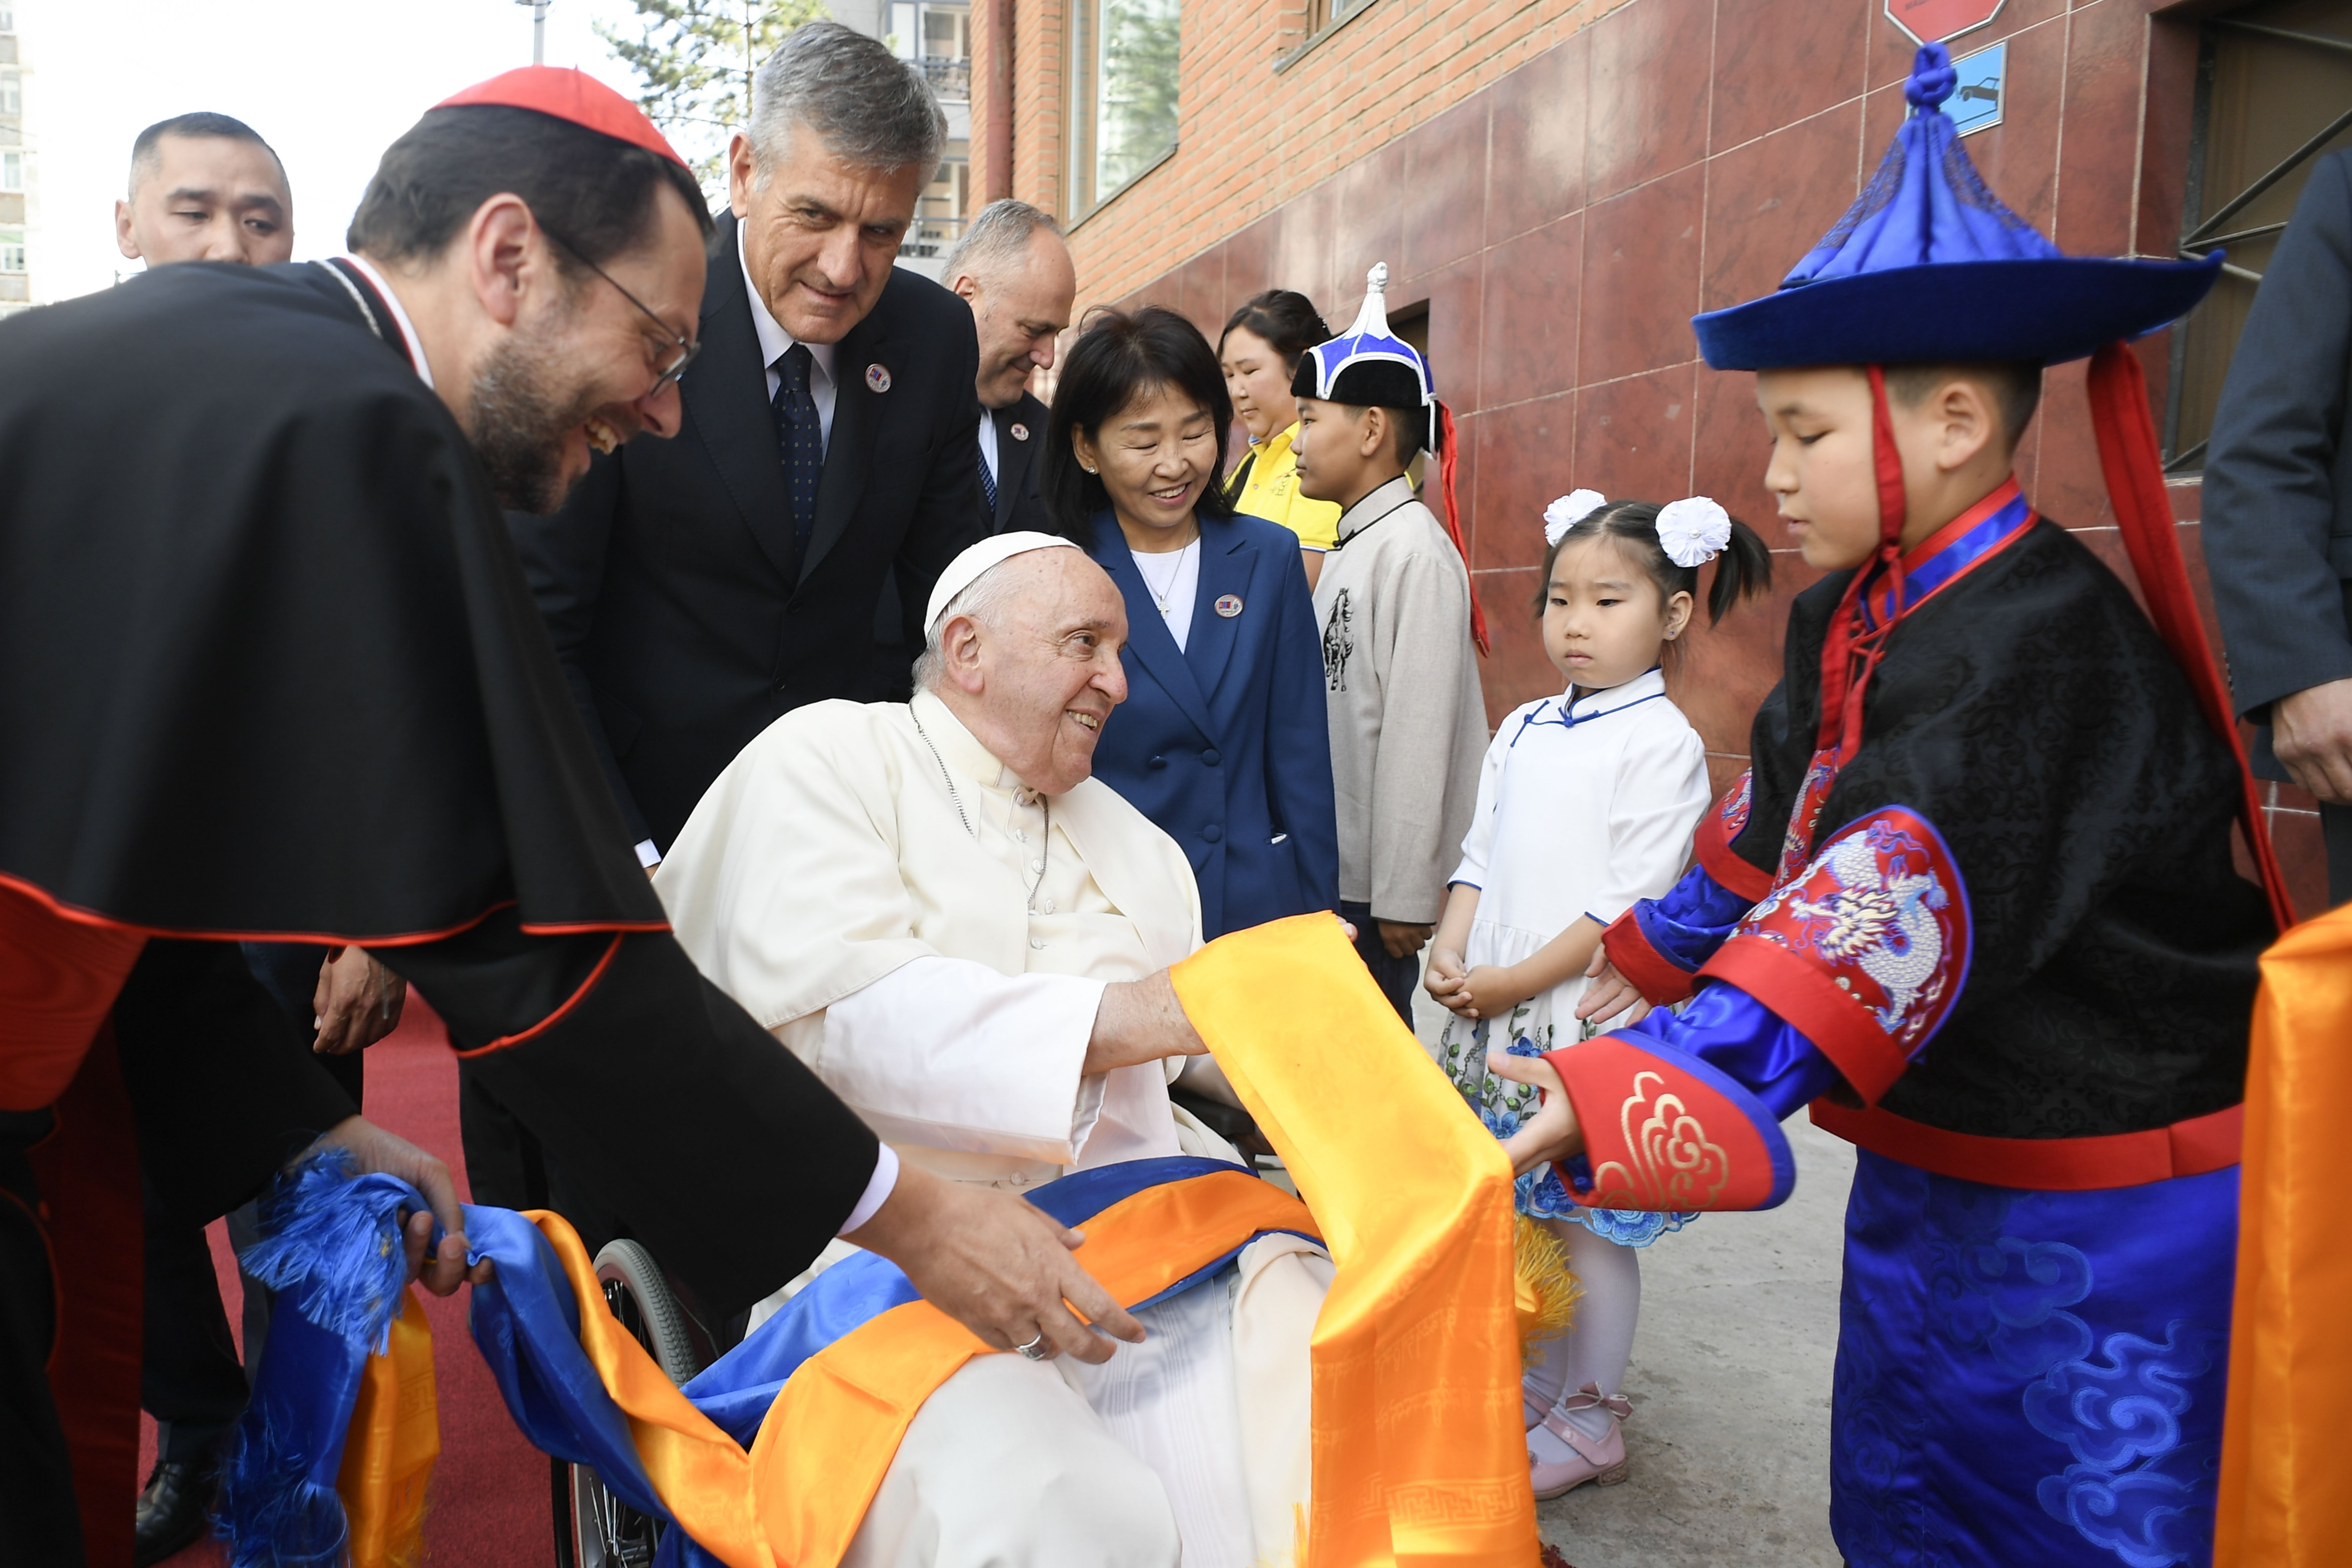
(1593, 704)
(1387, 498)
(773, 339)
(399, 316)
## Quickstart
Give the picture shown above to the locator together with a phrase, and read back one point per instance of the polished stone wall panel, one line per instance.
(1666, 156)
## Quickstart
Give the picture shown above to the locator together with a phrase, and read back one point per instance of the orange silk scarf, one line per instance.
(2286, 1492)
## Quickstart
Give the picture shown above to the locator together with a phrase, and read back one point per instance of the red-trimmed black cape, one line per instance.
(269, 667)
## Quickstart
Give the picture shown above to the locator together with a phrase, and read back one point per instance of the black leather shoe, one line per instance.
(173, 1510)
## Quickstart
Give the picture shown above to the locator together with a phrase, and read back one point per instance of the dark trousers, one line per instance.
(1394, 976)
(2336, 830)
(190, 1379)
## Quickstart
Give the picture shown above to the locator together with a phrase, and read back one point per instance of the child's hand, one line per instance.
(1444, 979)
(1551, 1133)
(1491, 991)
(1610, 992)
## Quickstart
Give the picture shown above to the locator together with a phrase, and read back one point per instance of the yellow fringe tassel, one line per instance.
(1543, 1290)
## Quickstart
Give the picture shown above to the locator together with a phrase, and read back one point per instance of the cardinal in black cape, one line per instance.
(237, 617)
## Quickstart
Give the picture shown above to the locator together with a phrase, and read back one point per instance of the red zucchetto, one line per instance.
(569, 93)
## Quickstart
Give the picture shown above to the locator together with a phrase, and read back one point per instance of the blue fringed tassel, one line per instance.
(333, 1252)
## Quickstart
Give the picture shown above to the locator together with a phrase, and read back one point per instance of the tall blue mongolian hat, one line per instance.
(1928, 266)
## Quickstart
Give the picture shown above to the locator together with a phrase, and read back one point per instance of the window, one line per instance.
(11, 171)
(12, 96)
(2274, 83)
(1323, 14)
(937, 39)
(8, 19)
(12, 250)
(1122, 95)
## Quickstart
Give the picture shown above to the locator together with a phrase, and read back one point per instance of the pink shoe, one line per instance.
(1599, 1460)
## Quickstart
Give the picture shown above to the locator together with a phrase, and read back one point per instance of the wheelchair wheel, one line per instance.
(594, 1529)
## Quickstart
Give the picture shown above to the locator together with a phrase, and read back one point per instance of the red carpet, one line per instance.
(489, 1506)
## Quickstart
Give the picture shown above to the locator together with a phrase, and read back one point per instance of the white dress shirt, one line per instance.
(988, 444)
(824, 388)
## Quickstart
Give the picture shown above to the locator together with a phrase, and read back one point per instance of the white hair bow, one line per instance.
(1568, 511)
(1693, 531)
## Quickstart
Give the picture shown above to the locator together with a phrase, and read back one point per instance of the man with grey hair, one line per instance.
(967, 936)
(697, 589)
(1012, 268)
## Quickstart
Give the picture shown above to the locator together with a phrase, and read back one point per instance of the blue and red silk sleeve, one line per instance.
(1843, 972)
(1661, 943)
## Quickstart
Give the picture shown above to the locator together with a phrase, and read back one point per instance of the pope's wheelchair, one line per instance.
(594, 1529)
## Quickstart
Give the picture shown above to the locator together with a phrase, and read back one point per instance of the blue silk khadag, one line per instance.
(2032, 1379)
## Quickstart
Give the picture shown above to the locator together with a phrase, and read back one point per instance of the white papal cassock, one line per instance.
(933, 938)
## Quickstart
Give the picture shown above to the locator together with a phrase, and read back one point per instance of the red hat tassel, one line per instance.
(2130, 459)
(1849, 654)
(1445, 465)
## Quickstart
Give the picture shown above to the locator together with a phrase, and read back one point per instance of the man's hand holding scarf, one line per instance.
(373, 1150)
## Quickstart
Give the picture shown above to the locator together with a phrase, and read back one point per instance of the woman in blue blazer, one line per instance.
(1222, 740)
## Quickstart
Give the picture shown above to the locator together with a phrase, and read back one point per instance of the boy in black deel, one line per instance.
(1975, 903)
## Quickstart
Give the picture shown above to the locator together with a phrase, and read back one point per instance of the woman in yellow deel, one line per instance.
(1259, 351)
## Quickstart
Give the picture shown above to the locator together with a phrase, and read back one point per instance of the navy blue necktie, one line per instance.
(800, 440)
(988, 483)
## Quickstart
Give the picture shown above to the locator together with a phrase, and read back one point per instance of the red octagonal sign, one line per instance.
(1934, 21)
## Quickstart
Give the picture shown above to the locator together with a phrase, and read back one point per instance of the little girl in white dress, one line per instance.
(1587, 804)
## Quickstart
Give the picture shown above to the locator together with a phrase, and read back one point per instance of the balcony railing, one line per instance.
(950, 78)
(932, 237)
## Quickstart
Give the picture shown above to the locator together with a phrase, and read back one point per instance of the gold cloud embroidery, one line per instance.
(1673, 1166)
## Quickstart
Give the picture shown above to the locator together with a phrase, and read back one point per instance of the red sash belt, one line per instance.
(2188, 1148)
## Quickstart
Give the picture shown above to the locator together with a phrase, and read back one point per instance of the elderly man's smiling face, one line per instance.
(1035, 676)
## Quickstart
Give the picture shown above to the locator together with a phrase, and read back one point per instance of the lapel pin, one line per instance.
(1021, 432)
(1229, 604)
(877, 378)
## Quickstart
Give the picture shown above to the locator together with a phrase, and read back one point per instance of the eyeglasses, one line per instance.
(687, 348)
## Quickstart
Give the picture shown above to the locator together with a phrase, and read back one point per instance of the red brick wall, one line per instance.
(1565, 184)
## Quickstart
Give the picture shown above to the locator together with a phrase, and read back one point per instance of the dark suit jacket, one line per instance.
(1019, 504)
(2278, 473)
(667, 578)
(1225, 744)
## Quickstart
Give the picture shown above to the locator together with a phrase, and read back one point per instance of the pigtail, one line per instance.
(1742, 571)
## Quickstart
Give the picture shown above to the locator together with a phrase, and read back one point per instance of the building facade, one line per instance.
(1558, 185)
(20, 207)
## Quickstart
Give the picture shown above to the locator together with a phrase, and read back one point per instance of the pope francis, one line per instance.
(967, 936)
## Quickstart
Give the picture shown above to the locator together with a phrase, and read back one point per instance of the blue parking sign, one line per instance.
(1983, 87)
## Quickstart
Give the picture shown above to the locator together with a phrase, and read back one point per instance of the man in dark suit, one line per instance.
(697, 589)
(1012, 268)
(2278, 512)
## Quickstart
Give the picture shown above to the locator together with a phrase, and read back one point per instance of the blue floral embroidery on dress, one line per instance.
(1502, 1105)
(2135, 1489)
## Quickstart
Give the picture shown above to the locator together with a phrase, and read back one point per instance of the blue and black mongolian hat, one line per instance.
(1369, 366)
(1930, 266)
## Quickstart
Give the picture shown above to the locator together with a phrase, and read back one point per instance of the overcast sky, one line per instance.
(327, 82)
